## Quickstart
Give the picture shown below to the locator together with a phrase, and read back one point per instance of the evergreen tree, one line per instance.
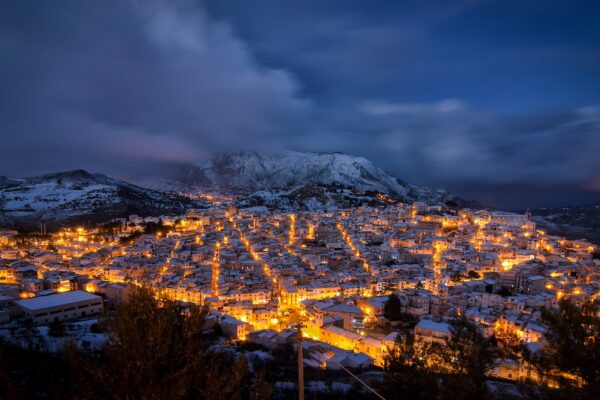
(260, 389)
(470, 357)
(157, 351)
(57, 329)
(388, 287)
(461, 363)
(392, 309)
(473, 275)
(406, 375)
(571, 355)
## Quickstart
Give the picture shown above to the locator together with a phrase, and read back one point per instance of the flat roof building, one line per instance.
(61, 307)
(430, 331)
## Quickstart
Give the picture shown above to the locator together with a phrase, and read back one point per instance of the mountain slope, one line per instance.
(572, 222)
(250, 172)
(287, 180)
(278, 175)
(78, 196)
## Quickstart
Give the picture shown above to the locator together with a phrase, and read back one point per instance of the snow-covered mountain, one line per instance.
(286, 180)
(250, 172)
(79, 196)
(270, 176)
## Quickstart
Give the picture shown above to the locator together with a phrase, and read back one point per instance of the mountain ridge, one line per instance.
(253, 173)
(287, 180)
(579, 221)
(78, 196)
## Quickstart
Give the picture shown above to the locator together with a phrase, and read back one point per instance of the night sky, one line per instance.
(496, 101)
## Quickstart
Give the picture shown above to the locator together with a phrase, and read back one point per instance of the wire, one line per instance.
(361, 381)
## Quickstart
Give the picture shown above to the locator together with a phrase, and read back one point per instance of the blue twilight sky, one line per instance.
(498, 101)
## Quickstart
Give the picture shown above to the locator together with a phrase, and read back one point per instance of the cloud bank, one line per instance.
(126, 87)
(86, 83)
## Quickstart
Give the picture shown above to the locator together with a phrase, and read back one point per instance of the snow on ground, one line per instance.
(50, 194)
(327, 386)
(79, 332)
(316, 386)
(256, 356)
(264, 171)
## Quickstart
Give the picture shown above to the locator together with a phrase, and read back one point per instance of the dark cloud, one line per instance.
(154, 81)
(451, 144)
(472, 96)
(500, 54)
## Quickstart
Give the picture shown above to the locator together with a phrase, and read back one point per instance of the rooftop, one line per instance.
(433, 326)
(54, 300)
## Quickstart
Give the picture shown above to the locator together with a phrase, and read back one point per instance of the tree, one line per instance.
(57, 329)
(473, 275)
(154, 227)
(33, 374)
(157, 351)
(471, 358)
(504, 291)
(260, 389)
(406, 375)
(27, 329)
(392, 309)
(571, 356)
(389, 287)
(129, 239)
(462, 361)
(451, 204)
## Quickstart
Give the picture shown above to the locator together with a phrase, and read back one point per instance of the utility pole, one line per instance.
(299, 327)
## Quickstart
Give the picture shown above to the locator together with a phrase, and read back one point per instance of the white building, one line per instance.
(234, 328)
(60, 307)
(428, 331)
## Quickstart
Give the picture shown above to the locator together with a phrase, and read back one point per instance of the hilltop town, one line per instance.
(260, 273)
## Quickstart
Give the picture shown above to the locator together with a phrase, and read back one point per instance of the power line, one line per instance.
(361, 381)
(299, 327)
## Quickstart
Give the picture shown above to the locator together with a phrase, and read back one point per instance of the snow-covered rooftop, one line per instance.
(55, 300)
(434, 326)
